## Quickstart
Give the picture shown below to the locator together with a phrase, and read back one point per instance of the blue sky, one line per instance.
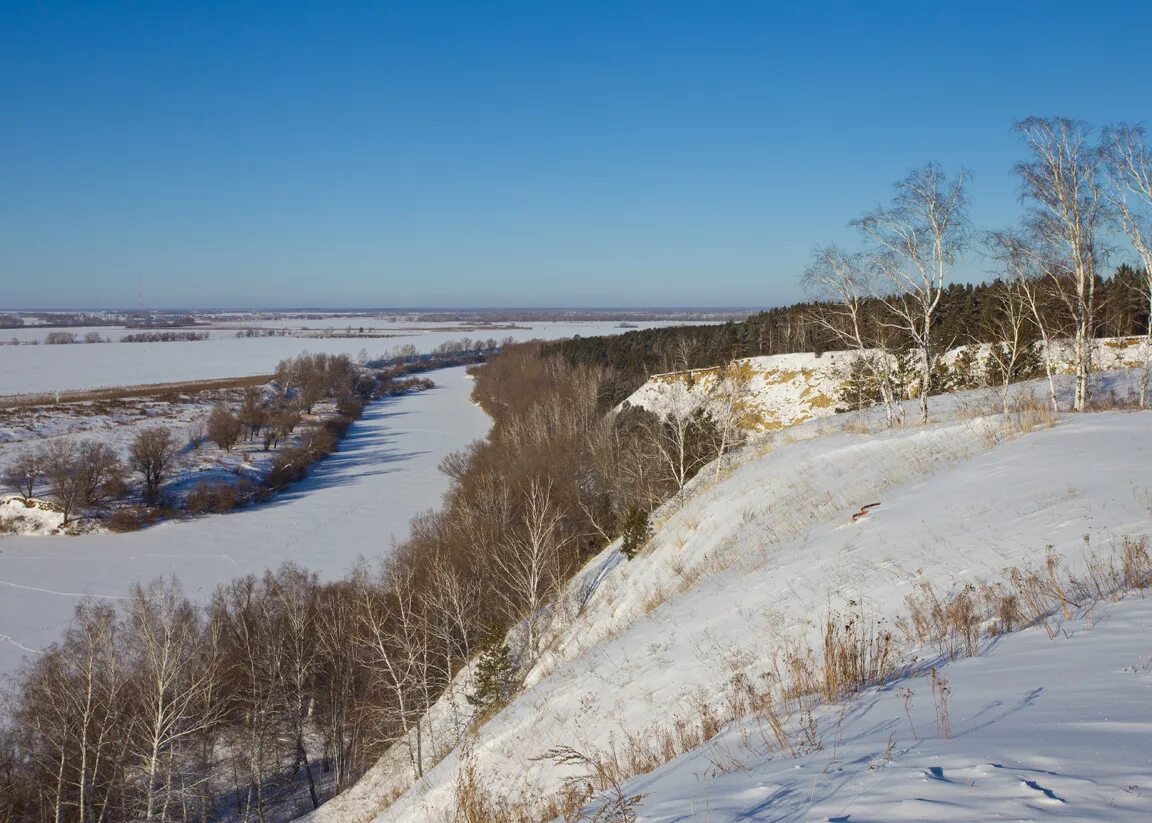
(489, 154)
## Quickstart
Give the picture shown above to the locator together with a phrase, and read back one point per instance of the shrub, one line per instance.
(223, 428)
(58, 338)
(290, 465)
(132, 518)
(218, 497)
(351, 407)
(323, 441)
(151, 455)
(492, 682)
(637, 531)
(337, 427)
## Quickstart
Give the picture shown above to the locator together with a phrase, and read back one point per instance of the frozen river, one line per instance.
(354, 504)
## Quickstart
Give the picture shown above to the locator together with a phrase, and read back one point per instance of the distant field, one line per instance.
(45, 369)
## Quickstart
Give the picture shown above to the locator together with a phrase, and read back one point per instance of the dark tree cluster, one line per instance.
(164, 337)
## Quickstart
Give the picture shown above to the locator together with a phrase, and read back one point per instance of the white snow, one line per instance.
(757, 560)
(1040, 728)
(36, 517)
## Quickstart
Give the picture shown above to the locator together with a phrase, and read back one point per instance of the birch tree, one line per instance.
(1066, 210)
(394, 648)
(291, 610)
(175, 682)
(846, 282)
(1008, 329)
(1025, 266)
(70, 715)
(917, 239)
(253, 661)
(529, 564)
(672, 429)
(1129, 162)
(339, 680)
(726, 404)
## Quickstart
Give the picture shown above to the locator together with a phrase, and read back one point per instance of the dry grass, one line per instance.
(856, 653)
(161, 391)
(951, 625)
(941, 692)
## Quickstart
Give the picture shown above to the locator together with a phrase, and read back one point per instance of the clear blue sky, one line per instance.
(482, 153)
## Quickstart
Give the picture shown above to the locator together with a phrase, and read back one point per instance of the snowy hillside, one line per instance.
(648, 658)
(1040, 727)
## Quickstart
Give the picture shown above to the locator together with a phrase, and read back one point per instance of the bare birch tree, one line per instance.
(175, 681)
(291, 609)
(529, 563)
(671, 429)
(394, 648)
(70, 716)
(1025, 267)
(918, 238)
(1061, 184)
(339, 680)
(727, 405)
(1129, 162)
(1008, 328)
(846, 282)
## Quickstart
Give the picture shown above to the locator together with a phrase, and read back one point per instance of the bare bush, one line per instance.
(858, 653)
(223, 428)
(100, 471)
(23, 472)
(63, 470)
(151, 456)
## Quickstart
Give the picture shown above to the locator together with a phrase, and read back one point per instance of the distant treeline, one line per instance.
(164, 337)
(67, 338)
(262, 333)
(17, 321)
(967, 314)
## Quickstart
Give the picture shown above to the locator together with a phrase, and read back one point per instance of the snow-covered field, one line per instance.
(753, 563)
(35, 369)
(352, 505)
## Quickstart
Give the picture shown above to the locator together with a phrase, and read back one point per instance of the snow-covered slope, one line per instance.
(752, 564)
(1041, 727)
